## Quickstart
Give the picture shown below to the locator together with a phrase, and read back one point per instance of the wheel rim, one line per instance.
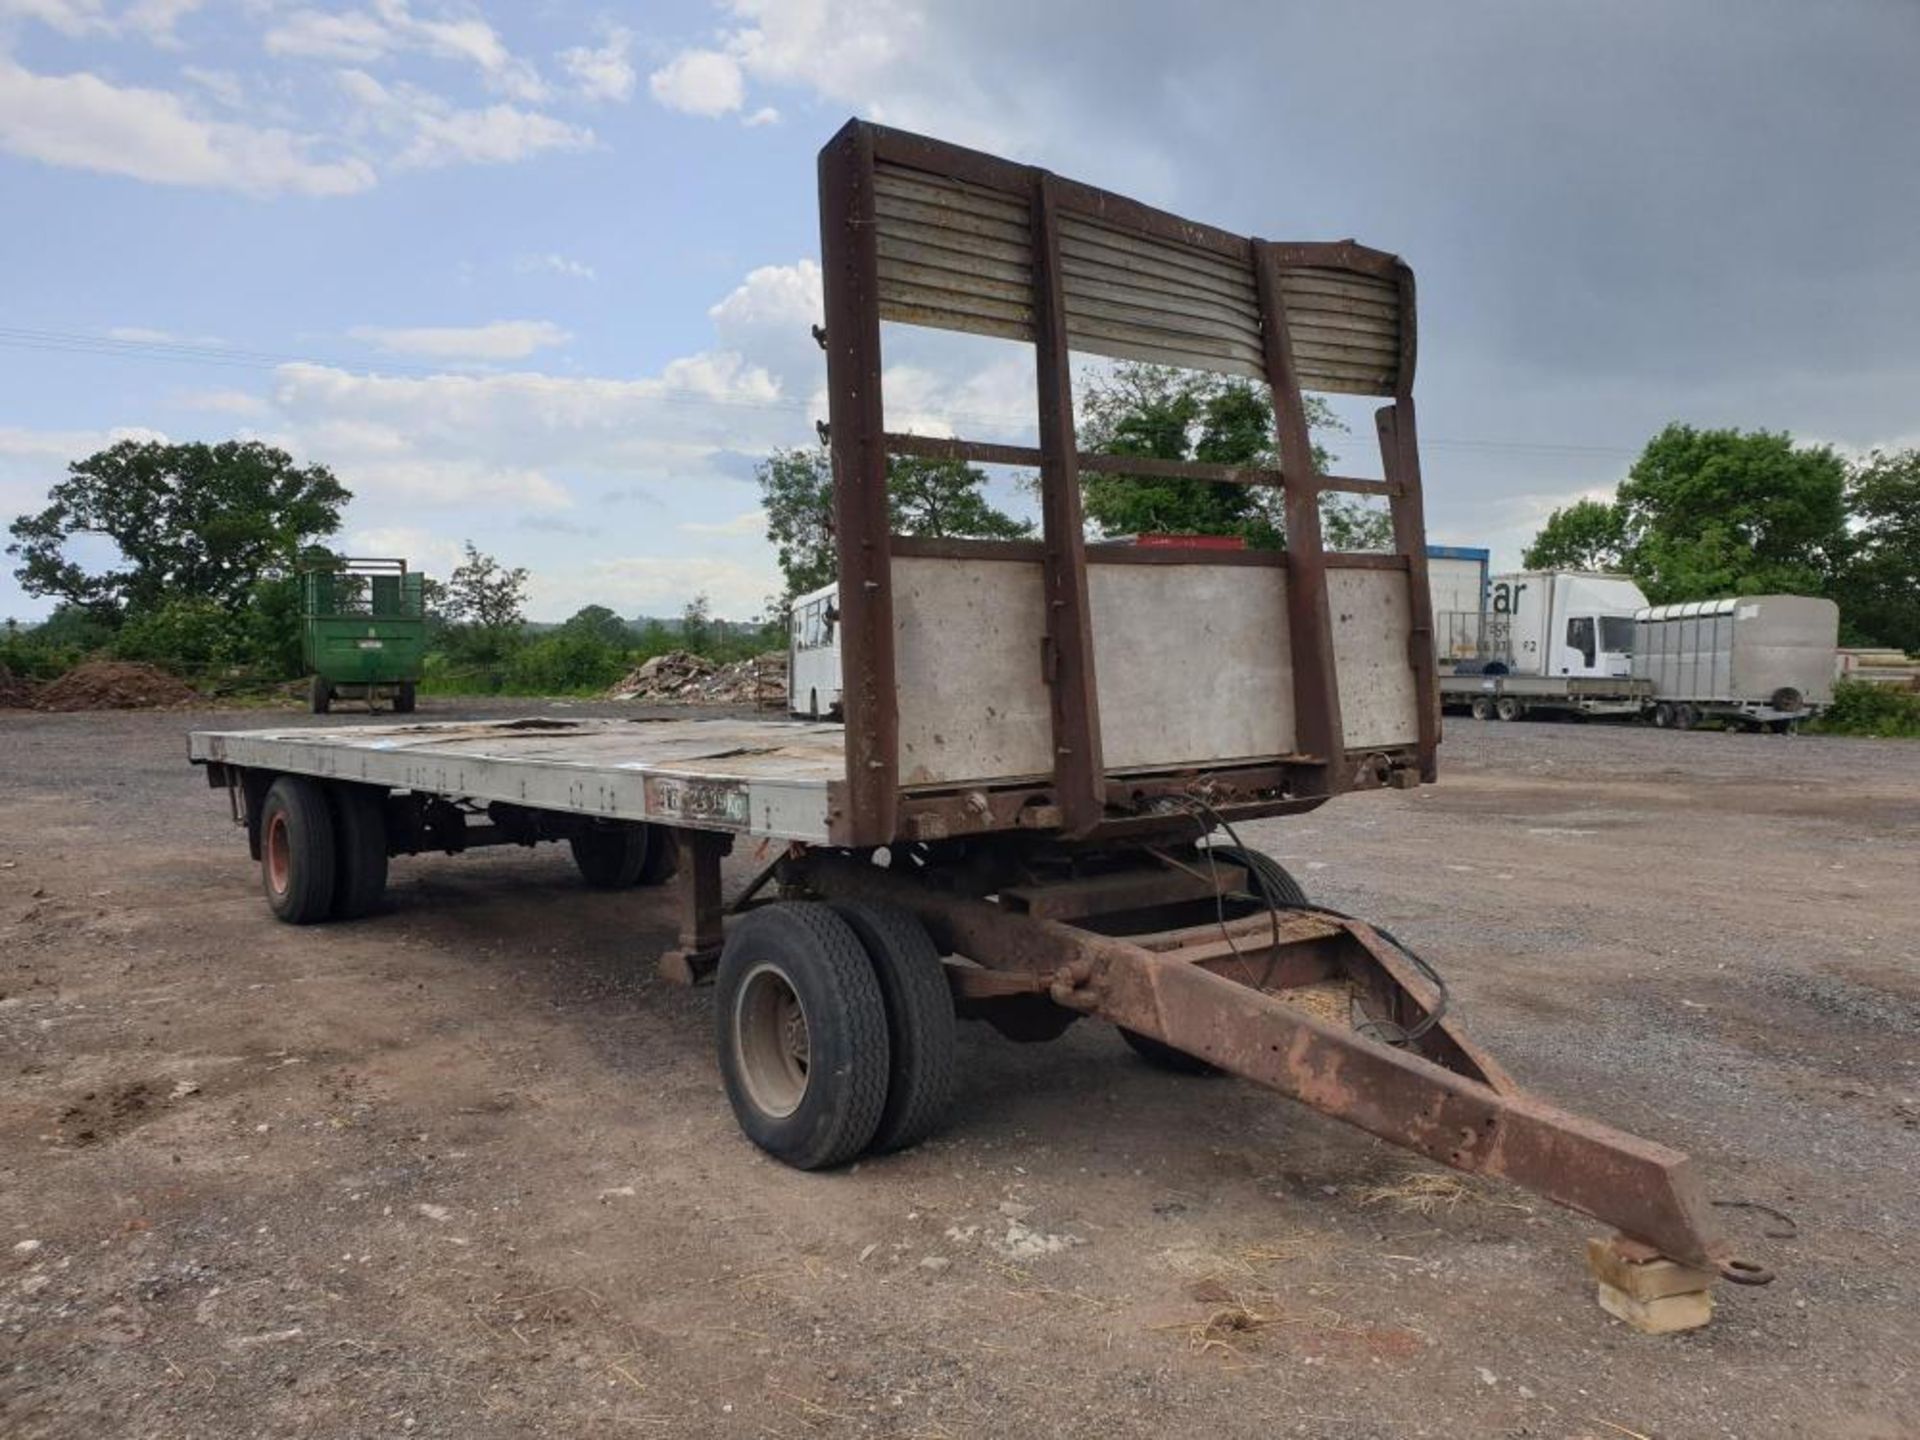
(771, 1038)
(279, 854)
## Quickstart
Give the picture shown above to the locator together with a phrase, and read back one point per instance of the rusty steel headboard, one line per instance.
(917, 231)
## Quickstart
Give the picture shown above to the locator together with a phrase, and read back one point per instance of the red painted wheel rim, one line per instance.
(279, 854)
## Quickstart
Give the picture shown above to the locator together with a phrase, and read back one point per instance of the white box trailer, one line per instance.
(1755, 659)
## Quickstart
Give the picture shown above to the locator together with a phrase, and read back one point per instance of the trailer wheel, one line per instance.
(297, 851)
(360, 848)
(611, 857)
(403, 698)
(319, 695)
(662, 861)
(1482, 708)
(1685, 717)
(1508, 707)
(920, 1023)
(1663, 716)
(802, 1031)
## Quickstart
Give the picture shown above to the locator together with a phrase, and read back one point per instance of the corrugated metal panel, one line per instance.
(952, 255)
(1345, 328)
(960, 257)
(1140, 297)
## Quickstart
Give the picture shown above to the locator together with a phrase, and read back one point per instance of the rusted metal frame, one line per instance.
(1316, 686)
(917, 152)
(702, 905)
(923, 547)
(981, 452)
(1336, 255)
(1067, 657)
(1365, 560)
(1400, 455)
(1643, 1189)
(1135, 888)
(849, 266)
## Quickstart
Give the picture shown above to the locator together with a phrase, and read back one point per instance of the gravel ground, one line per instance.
(465, 1169)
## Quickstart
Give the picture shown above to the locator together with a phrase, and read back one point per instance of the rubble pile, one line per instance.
(681, 677)
(114, 685)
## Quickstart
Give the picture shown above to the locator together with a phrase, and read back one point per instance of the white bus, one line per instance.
(813, 655)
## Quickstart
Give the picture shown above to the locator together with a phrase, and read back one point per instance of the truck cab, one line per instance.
(1563, 624)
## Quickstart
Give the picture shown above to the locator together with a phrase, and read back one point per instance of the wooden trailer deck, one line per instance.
(778, 778)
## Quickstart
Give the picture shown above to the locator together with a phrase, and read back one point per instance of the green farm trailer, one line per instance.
(363, 632)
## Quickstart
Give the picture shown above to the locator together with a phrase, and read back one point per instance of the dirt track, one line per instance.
(465, 1169)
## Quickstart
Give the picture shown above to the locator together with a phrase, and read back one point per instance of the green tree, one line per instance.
(697, 625)
(1586, 535)
(484, 605)
(924, 497)
(191, 523)
(599, 623)
(1707, 513)
(1165, 413)
(1878, 579)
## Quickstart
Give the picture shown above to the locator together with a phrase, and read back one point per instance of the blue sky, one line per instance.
(540, 275)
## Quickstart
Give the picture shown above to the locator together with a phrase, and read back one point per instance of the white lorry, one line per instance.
(1573, 642)
(1551, 640)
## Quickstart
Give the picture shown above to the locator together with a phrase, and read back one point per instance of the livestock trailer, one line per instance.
(363, 631)
(1765, 661)
(1028, 816)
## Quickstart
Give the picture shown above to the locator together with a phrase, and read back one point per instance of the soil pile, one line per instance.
(683, 677)
(16, 691)
(115, 685)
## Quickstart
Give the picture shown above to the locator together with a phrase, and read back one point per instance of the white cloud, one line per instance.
(555, 264)
(699, 82)
(433, 131)
(765, 115)
(69, 17)
(750, 522)
(431, 551)
(496, 340)
(156, 19)
(83, 122)
(390, 27)
(602, 72)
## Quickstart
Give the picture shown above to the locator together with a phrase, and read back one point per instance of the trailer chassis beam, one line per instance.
(1438, 1096)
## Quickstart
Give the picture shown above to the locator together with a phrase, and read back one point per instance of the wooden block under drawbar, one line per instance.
(1651, 1279)
(1666, 1316)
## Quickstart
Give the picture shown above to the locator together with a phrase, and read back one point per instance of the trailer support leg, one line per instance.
(702, 909)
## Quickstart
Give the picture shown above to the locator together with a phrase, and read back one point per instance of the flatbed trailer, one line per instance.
(1514, 697)
(1028, 817)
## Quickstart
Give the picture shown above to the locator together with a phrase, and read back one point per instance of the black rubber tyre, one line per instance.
(403, 698)
(1663, 716)
(1482, 708)
(297, 851)
(360, 848)
(1271, 879)
(920, 1022)
(1685, 717)
(611, 857)
(662, 860)
(319, 696)
(801, 1027)
(1165, 1057)
(1508, 708)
